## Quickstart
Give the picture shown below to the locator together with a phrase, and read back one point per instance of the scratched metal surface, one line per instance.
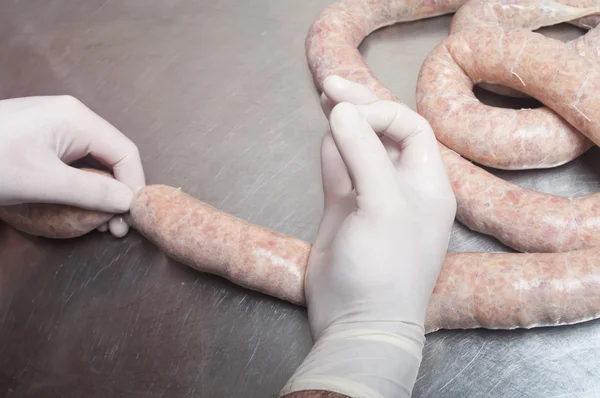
(218, 97)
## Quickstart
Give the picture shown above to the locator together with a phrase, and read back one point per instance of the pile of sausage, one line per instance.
(556, 278)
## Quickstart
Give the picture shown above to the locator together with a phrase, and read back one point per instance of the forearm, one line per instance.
(369, 360)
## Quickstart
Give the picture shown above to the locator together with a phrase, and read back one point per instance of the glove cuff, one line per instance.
(359, 360)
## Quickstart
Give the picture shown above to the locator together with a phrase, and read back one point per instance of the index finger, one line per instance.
(371, 171)
(420, 159)
(337, 89)
(97, 137)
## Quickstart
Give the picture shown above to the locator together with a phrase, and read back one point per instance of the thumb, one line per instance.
(84, 189)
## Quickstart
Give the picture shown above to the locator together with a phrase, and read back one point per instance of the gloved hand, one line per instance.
(389, 209)
(39, 136)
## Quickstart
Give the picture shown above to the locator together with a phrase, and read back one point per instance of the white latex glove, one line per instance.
(39, 136)
(389, 209)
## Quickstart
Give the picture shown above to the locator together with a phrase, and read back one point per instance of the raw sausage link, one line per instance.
(537, 65)
(333, 38)
(492, 290)
(495, 137)
(521, 218)
(513, 290)
(54, 220)
(527, 14)
(485, 203)
(209, 240)
(544, 138)
(521, 14)
(531, 131)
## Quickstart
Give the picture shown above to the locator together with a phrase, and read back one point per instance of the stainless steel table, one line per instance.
(219, 99)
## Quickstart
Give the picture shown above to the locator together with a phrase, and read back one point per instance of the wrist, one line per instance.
(362, 359)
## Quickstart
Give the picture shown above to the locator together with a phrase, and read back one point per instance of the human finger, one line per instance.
(71, 186)
(88, 133)
(419, 155)
(338, 89)
(368, 164)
